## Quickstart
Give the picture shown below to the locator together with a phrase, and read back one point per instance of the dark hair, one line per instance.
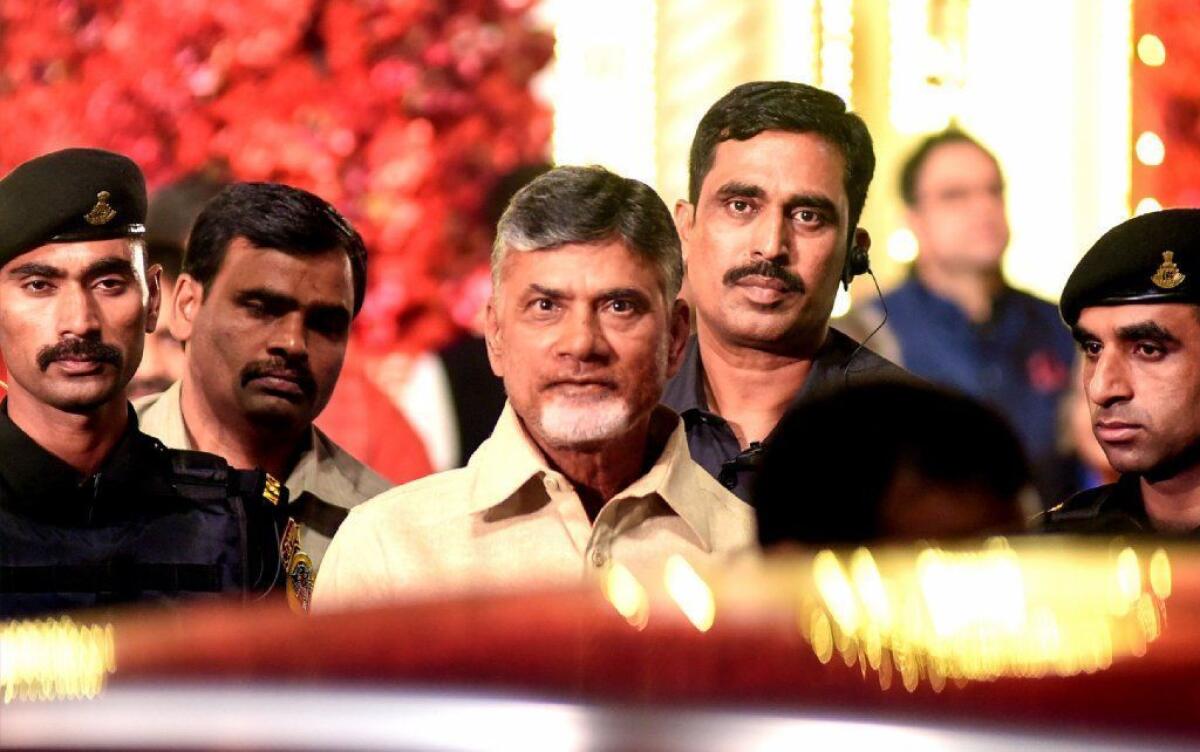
(910, 171)
(752, 108)
(174, 207)
(590, 205)
(271, 215)
(836, 461)
(167, 255)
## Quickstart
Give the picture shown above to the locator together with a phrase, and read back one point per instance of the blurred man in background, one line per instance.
(957, 321)
(1133, 303)
(172, 212)
(778, 176)
(162, 360)
(271, 280)
(584, 468)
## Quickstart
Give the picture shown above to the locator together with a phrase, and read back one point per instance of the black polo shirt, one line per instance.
(840, 362)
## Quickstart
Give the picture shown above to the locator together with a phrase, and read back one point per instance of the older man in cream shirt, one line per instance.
(584, 468)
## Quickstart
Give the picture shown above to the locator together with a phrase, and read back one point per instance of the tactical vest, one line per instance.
(185, 525)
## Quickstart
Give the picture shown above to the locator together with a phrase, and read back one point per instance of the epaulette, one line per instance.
(199, 467)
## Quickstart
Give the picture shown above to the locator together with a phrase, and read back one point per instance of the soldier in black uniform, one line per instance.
(92, 511)
(1133, 304)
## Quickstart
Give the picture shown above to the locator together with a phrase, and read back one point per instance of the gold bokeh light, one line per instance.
(1151, 50)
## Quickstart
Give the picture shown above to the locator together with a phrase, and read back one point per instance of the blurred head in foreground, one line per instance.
(891, 461)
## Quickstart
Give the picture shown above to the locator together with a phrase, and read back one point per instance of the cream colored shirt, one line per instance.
(508, 520)
(324, 469)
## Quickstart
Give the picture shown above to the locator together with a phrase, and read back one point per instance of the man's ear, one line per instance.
(685, 216)
(189, 296)
(153, 296)
(679, 329)
(491, 335)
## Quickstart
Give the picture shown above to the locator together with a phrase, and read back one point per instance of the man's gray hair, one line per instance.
(590, 205)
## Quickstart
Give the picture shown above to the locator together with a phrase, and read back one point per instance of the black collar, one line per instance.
(685, 393)
(42, 486)
(1125, 499)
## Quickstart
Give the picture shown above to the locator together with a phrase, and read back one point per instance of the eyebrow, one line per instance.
(270, 297)
(1147, 330)
(618, 293)
(282, 301)
(813, 201)
(33, 269)
(549, 292)
(1143, 330)
(110, 265)
(614, 293)
(733, 189)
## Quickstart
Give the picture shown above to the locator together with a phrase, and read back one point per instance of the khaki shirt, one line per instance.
(324, 469)
(508, 520)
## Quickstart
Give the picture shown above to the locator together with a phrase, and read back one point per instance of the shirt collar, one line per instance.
(1126, 499)
(505, 462)
(509, 459)
(672, 478)
(685, 393)
(44, 484)
(164, 417)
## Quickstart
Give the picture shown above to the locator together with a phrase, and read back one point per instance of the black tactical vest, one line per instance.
(153, 524)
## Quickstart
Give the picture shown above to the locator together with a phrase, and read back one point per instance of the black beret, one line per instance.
(1152, 258)
(68, 196)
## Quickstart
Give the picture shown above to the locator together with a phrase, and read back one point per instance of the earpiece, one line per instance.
(858, 261)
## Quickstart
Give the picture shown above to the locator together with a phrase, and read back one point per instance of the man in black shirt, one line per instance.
(92, 511)
(778, 176)
(1133, 304)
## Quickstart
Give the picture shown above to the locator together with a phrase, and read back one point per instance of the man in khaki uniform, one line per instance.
(271, 280)
(584, 468)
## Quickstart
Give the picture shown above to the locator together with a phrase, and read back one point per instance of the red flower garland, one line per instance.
(403, 113)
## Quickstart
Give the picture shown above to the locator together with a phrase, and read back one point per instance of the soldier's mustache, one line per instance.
(78, 349)
(764, 269)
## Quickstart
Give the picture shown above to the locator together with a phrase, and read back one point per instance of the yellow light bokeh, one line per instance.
(841, 304)
(835, 588)
(1147, 205)
(979, 614)
(54, 659)
(1160, 574)
(902, 246)
(690, 592)
(627, 595)
(1150, 149)
(1151, 50)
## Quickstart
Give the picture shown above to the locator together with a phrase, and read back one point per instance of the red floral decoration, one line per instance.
(403, 113)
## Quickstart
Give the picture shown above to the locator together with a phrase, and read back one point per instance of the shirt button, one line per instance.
(599, 558)
(550, 483)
